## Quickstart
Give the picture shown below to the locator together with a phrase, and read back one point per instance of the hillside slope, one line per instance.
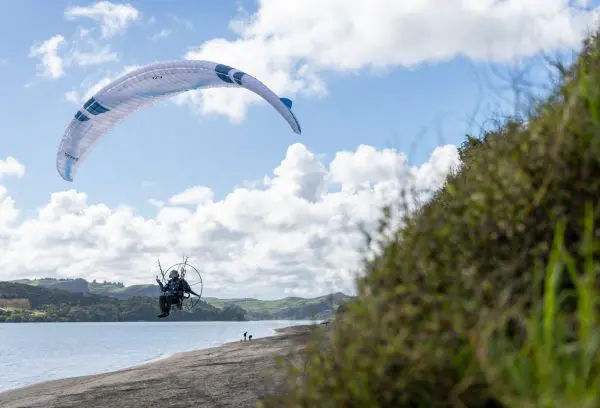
(286, 308)
(289, 308)
(487, 296)
(21, 302)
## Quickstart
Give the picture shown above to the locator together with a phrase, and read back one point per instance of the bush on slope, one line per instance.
(511, 234)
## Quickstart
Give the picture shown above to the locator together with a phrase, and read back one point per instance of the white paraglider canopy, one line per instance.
(143, 87)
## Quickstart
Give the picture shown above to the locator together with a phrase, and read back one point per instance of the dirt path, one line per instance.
(232, 375)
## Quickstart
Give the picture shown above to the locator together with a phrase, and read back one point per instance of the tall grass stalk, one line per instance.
(558, 363)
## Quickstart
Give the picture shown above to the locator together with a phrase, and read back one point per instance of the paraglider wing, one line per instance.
(143, 87)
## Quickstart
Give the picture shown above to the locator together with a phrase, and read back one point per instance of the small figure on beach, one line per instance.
(172, 292)
(245, 334)
(250, 338)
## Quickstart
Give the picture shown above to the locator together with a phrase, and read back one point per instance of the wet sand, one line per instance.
(236, 374)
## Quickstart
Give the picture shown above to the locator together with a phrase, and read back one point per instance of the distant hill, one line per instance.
(286, 308)
(113, 289)
(123, 292)
(71, 285)
(21, 302)
(289, 308)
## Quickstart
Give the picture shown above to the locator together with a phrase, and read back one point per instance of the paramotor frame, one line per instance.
(193, 278)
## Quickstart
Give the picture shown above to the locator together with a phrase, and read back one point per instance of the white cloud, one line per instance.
(10, 166)
(295, 234)
(198, 195)
(73, 97)
(161, 34)
(112, 18)
(51, 64)
(8, 213)
(368, 165)
(78, 98)
(289, 44)
(83, 51)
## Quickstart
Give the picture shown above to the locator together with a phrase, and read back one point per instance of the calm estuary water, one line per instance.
(35, 352)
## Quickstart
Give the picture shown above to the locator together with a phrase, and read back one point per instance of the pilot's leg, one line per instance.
(165, 305)
(162, 301)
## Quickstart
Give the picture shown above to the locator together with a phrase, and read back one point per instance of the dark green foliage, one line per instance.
(417, 334)
(290, 308)
(39, 296)
(59, 305)
(105, 288)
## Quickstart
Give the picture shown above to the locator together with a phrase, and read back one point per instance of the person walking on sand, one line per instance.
(245, 334)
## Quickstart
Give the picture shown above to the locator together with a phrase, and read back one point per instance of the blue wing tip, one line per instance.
(66, 177)
(68, 172)
(287, 102)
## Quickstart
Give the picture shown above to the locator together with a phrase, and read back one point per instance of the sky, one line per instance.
(385, 91)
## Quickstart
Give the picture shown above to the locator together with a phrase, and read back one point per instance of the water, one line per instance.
(36, 352)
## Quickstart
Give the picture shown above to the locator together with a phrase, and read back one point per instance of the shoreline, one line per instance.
(232, 374)
(162, 321)
(276, 332)
(29, 372)
(153, 360)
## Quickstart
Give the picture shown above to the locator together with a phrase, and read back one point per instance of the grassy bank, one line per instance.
(486, 296)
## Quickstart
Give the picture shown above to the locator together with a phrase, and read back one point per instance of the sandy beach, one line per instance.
(236, 374)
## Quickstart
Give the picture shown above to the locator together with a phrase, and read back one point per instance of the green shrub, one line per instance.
(557, 364)
(414, 337)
